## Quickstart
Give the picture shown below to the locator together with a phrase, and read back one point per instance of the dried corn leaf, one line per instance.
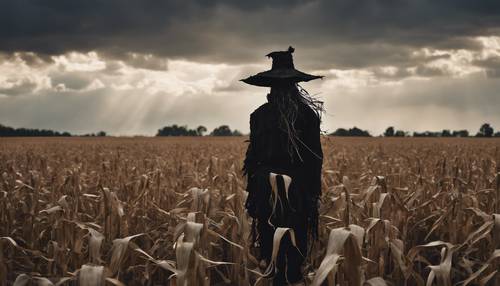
(328, 266)
(91, 275)
(119, 251)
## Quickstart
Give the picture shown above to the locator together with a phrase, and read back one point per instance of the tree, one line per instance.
(175, 130)
(355, 131)
(389, 132)
(340, 132)
(222, 130)
(400, 133)
(461, 133)
(485, 131)
(200, 130)
(446, 133)
(101, 134)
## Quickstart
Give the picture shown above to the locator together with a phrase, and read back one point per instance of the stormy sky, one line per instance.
(131, 67)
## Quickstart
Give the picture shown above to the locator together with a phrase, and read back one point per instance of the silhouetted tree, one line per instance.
(176, 130)
(485, 131)
(446, 133)
(224, 130)
(460, 133)
(389, 132)
(101, 134)
(400, 133)
(200, 130)
(355, 131)
(340, 132)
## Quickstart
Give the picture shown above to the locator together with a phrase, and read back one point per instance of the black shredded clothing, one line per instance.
(268, 151)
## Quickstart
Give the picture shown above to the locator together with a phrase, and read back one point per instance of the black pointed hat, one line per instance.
(282, 71)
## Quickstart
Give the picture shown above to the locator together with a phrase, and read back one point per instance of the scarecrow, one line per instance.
(283, 167)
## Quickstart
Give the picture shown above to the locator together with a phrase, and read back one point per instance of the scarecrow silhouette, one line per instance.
(283, 166)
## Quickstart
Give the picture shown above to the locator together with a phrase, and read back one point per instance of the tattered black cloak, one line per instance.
(268, 151)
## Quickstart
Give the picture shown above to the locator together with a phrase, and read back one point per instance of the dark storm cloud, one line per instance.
(29, 58)
(339, 33)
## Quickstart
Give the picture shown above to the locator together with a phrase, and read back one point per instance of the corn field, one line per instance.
(169, 211)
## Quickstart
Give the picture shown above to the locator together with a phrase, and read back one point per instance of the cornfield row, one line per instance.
(170, 212)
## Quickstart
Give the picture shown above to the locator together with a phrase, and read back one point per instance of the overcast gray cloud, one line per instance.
(240, 31)
(131, 67)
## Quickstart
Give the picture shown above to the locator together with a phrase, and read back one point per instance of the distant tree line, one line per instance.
(25, 132)
(6, 131)
(484, 131)
(183, 130)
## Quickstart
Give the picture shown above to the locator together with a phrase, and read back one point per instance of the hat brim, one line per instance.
(275, 77)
